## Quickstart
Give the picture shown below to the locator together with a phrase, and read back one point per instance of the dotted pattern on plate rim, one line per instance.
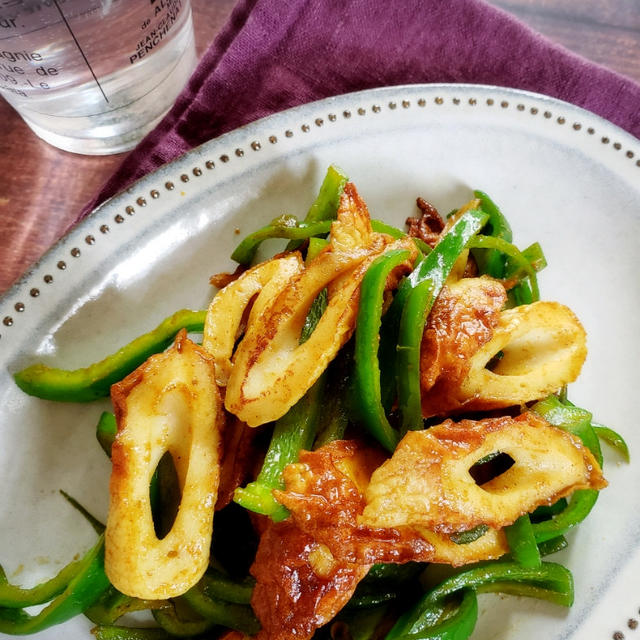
(632, 625)
(272, 139)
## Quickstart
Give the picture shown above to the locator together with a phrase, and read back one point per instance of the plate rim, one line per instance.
(118, 201)
(144, 182)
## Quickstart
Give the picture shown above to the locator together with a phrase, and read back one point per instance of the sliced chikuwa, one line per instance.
(325, 493)
(427, 483)
(169, 404)
(271, 369)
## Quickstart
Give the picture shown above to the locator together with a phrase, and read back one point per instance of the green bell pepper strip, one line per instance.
(97, 526)
(549, 581)
(553, 545)
(333, 422)
(316, 223)
(172, 623)
(112, 605)
(313, 317)
(16, 597)
(365, 599)
(544, 512)
(296, 430)
(111, 632)
(581, 503)
(94, 381)
(82, 590)
(359, 624)
(510, 250)
(393, 573)
(492, 262)
(215, 585)
(578, 422)
(533, 254)
(572, 419)
(414, 317)
(106, 431)
(434, 267)
(411, 307)
(612, 438)
(438, 264)
(292, 228)
(234, 616)
(522, 542)
(470, 535)
(283, 227)
(522, 293)
(385, 582)
(444, 623)
(325, 206)
(316, 245)
(366, 376)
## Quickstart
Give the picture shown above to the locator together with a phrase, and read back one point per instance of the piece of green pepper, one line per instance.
(454, 620)
(578, 422)
(572, 419)
(317, 222)
(522, 542)
(412, 305)
(216, 585)
(492, 262)
(334, 419)
(106, 431)
(83, 589)
(234, 616)
(366, 376)
(519, 261)
(469, 535)
(112, 605)
(94, 381)
(296, 430)
(325, 206)
(111, 632)
(613, 439)
(553, 545)
(549, 581)
(288, 227)
(398, 352)
(385, 582)
(185, 624)
(16, 597)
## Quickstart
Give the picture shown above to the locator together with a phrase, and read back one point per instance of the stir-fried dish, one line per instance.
(294, 460)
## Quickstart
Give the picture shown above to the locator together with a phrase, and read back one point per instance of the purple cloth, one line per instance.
(275, 54)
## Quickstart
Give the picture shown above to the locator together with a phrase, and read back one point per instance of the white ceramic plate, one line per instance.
(563, 176)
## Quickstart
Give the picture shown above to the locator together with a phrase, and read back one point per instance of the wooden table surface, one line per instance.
(42, 189)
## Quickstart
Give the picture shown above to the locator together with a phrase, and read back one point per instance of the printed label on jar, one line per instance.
(49, 45)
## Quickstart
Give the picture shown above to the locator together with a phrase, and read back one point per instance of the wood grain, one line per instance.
(42, 189)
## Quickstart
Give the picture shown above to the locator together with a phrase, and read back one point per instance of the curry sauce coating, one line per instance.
(325, 495)
(300, 585)
(462, 320)
(426, 483)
